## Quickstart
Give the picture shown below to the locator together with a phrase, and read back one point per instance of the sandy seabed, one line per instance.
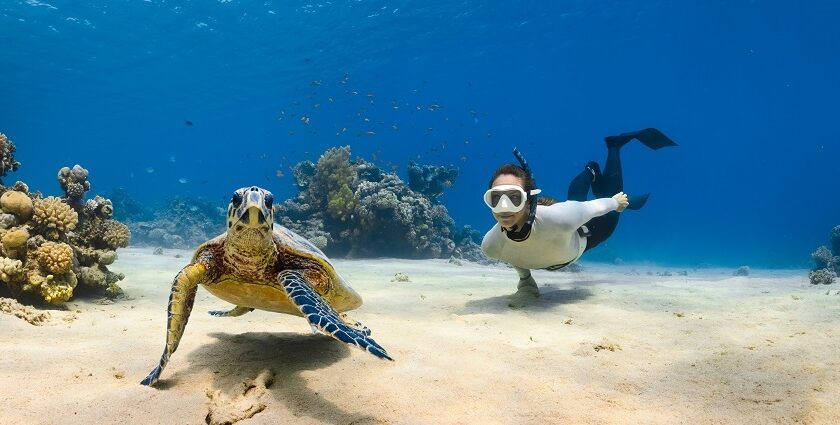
(612, 344)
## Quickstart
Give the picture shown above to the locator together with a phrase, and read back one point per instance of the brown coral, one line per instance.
(116, 234)
(55, 257)
(17, 203)
(14, 242)
(52, 213)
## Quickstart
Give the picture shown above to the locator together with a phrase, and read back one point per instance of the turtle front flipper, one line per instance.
(234, 312)
(181, 300)
(323, 317)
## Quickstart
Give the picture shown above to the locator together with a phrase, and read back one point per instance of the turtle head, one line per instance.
(250, 213)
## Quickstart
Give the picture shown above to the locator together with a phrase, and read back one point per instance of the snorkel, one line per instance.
(532, 197)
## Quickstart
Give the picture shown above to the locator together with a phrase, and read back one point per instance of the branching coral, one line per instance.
(10, 270)
(115, 234)
(55, 257)
(54, 216)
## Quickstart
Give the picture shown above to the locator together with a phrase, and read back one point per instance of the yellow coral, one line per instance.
(15, 238)
(53, 213)
(55, 257)
(56, 293)
(116, 234)
(10, 270)
(17, 203)
(53, 288)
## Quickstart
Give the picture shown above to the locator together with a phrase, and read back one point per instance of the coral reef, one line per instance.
(127, 208)
(182, 223)
(822, 276)
(47, 244)
(54, 217)
(74, 183)
(7, 157)
(353, 208)
(431, 180)
(17, 204)
(826, 261)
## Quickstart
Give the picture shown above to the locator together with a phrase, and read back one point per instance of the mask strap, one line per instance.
(532, 197)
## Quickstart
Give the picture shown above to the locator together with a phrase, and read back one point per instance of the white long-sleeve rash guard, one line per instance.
(554, 239)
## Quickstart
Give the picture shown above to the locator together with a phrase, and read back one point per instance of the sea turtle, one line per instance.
(258, 264)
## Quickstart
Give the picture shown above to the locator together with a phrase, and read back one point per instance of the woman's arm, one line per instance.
(570, 215)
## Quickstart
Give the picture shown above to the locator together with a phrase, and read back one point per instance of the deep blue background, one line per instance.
(748, 89)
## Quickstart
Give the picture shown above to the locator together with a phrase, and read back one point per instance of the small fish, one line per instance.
(172, 158)
(279, 173)
(463, 158)
(370, 133)
(395, 127)
(329, 99)
(304, 119)
(150, 170)
(354, 92)
(188, 123)
(183, 180)
(367, 119)
(317, 105)
(193, 208)
(315, 83)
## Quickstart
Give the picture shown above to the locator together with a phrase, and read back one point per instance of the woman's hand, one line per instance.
(623, 202)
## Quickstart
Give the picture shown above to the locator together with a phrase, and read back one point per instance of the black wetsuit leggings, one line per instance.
(603, 185)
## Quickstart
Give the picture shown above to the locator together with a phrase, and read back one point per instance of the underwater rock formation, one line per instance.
(127, 208)
(355, 209)
(183, 223)
(45, 242)
(826, 261)
(431, 180)
(7, 157)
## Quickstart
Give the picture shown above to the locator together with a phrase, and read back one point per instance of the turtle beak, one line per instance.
(253, 212)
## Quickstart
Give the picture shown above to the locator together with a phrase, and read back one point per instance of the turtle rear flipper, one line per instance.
(234, 312)
(323, 317)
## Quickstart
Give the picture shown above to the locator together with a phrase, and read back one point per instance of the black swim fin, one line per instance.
(637, 201)
(650, 137)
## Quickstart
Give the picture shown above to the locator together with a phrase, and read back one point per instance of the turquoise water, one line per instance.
(747, 88)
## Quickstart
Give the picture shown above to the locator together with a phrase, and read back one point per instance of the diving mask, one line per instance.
(507, 198)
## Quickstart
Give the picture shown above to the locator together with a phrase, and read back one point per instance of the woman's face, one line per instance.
(510, 220)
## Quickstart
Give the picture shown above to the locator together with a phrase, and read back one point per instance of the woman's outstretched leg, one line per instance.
(580, 185)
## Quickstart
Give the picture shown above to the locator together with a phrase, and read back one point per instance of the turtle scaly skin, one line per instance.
(257, 264)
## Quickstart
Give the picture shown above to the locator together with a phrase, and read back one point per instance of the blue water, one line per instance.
(747, 88)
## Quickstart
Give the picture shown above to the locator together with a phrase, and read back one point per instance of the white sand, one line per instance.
(708, 348)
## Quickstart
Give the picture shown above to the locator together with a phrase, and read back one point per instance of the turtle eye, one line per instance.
(236, 200)
(269, 200)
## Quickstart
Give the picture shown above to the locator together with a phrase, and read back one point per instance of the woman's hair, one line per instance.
(528, 181)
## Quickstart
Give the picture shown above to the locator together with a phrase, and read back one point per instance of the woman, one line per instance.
(554, 234)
